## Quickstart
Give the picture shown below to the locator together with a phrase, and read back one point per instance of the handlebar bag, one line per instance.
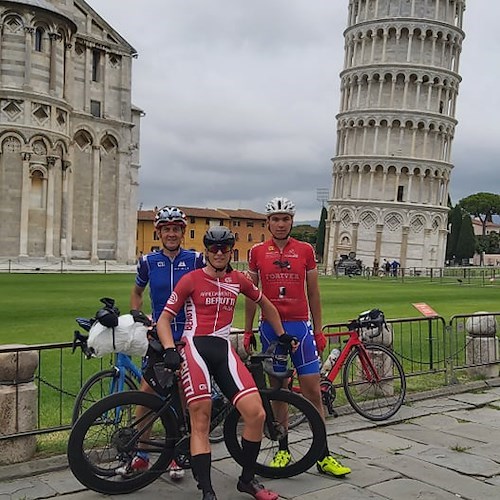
(127, 337)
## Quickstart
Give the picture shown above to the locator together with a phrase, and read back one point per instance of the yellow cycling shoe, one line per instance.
(332, 467)
(281, 459)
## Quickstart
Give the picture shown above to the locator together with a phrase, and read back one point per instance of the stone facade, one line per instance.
(69, 135)
(395, 128)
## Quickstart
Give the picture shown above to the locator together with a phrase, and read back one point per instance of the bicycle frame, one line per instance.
(351, 344)
(123, 364)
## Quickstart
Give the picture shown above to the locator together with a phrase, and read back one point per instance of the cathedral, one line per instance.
(69, 135)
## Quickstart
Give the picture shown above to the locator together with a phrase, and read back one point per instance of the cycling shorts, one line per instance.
(206, 355)
(305, 358)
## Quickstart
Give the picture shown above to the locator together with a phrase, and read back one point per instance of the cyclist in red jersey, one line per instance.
(286, 269)
(209, 296)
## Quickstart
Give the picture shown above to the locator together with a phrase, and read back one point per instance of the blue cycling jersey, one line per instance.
(162, 273)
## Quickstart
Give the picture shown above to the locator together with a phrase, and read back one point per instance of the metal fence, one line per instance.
(433, 352)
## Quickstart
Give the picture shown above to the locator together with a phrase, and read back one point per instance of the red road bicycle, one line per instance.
(372, 377)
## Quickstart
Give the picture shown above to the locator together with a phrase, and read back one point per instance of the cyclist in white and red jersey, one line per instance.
(286, 269)
(208, 297)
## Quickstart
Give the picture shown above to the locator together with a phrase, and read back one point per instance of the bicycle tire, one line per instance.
(102, 443)
(298, 419)
(306, 442)
(376, 400)
(97, 387)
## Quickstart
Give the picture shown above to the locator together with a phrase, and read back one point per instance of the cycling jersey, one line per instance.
(163, 273)
(209, 302)
(282, 275)
(209, 305)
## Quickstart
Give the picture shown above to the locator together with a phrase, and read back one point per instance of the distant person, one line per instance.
(387, 267)
(286, 269)
(394, 267)
(375, 267)
(161, 270)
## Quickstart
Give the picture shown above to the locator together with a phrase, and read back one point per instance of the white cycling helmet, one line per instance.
(170, 215)
(280, 205)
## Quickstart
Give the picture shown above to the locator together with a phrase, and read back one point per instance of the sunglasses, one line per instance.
(224, 248)
(282, 265)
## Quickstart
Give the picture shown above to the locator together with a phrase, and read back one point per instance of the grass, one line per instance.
(41, 308)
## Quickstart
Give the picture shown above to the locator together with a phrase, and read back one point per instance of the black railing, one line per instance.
(427, 347)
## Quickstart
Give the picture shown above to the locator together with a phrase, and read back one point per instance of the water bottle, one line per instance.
(330, 360)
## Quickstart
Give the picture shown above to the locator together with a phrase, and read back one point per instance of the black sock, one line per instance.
(283, 443)
(201, 464)
(326, 452)
(250, 451)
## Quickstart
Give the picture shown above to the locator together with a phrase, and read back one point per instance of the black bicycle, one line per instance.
(108, 435)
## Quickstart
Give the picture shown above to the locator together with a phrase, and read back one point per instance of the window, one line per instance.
(96, 65)
(191, 234)
(262, 237)
(249, 223)
(401, 190)
(236, 237)
(39, 40)
(155, 236)
(236, 223)
(192, 220)
(95, 108)
(250, 237)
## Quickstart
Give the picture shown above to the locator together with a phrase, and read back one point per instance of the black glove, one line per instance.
(140, 317)
(172, 358)
(288, 339)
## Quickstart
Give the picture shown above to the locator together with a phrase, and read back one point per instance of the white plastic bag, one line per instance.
(129, 338)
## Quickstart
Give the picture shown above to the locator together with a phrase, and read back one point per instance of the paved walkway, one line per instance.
(443, 447)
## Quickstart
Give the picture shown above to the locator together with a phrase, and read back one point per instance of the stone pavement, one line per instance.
(442, 445)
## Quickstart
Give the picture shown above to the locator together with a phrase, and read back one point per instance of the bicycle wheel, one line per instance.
(374, 381)
(306, 442)
(327, 398)
(220, 409)
(98, 386)
(107, 436)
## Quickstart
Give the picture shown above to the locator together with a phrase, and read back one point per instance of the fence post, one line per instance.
(482, 345)
(18, 400)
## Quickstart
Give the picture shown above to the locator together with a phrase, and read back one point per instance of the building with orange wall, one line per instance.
(248, 226)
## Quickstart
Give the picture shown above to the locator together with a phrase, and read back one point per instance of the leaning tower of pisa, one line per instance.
(391, 169)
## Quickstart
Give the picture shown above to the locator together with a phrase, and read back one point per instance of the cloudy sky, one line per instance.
(241, 96)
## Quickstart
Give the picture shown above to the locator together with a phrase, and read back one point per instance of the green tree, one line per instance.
(483, 206)
(320, 240)
(466, 243)
(304, 232)
(455, 222)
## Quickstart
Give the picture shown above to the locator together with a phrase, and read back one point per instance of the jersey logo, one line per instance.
(181, 264)
(172, 299)
(160, 264)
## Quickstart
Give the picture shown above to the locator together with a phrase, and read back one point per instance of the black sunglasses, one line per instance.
(282, 265)
(215, 247)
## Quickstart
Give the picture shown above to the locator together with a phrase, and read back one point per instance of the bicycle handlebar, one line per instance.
(268, 358)
(374, 318)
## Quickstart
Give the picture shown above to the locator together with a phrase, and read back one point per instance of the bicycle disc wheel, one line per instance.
(105, 439)
(374, 395)
(98, 386)
(306, 441)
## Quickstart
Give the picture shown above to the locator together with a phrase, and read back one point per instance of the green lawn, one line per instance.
(41, 308)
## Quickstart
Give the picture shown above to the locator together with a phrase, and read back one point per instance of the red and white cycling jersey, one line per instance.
(209, 302)
(283, 275)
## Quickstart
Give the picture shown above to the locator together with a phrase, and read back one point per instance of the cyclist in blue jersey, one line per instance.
(162, 270)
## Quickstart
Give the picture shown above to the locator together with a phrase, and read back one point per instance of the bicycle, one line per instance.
(123, 375)
(372, 377)
(107, 436)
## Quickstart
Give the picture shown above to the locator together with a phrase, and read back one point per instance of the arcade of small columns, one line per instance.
(427, 186)
(448, 11)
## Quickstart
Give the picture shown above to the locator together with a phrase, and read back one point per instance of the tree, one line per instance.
(455, 221)
(304, 232)
(483, 206)
(466, 243)
(320, 240)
